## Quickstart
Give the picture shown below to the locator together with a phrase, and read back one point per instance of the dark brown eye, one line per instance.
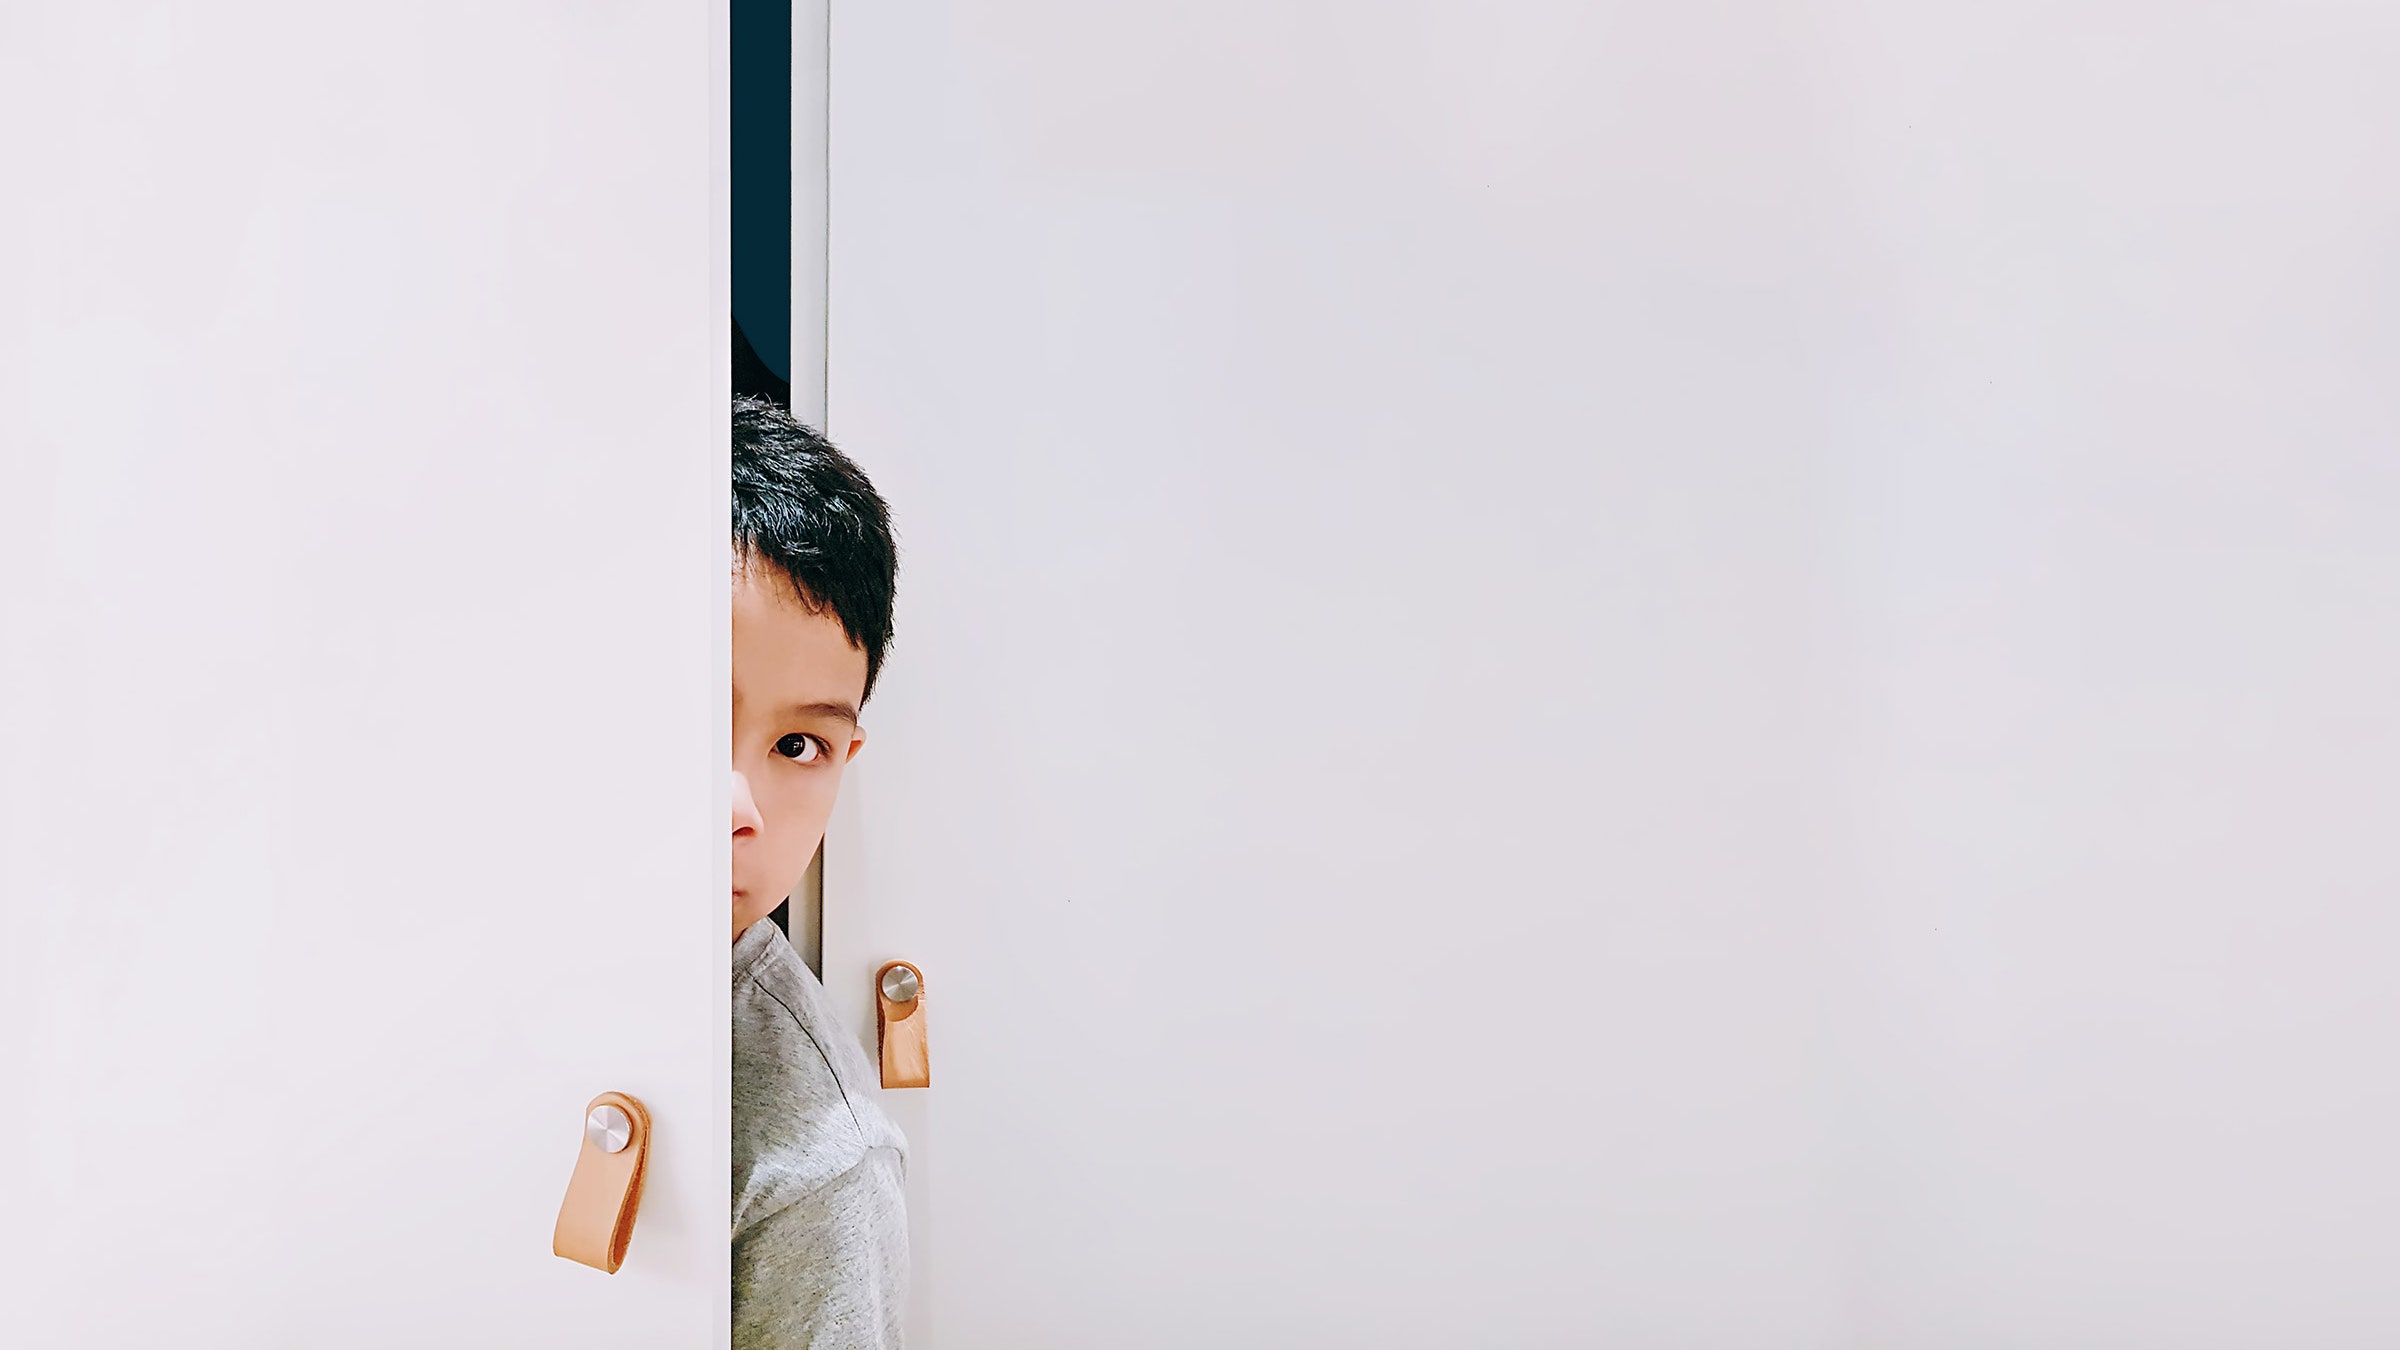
(800, 748)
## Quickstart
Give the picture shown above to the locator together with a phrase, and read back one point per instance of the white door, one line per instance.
(1582, 674)
(362, 683)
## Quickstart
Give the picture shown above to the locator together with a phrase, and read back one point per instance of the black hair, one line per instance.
(804, 507)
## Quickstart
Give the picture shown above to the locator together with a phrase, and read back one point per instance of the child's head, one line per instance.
(813, 575)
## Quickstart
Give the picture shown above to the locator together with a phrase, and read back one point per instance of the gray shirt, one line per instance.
(820, 1226)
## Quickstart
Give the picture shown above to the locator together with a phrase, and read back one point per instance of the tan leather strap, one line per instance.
(900, 1027)
(596, 1220)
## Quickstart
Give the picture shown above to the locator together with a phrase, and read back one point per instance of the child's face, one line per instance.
(797, 684)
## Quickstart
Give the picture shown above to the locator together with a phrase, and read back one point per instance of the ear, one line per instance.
(858, 742)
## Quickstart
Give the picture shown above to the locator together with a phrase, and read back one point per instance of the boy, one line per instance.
(820, 1239)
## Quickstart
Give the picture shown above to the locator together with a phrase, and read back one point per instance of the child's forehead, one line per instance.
(786, 650)
(755, 570)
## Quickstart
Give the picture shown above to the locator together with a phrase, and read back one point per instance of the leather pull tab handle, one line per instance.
(596, 1221)
(900, 1025)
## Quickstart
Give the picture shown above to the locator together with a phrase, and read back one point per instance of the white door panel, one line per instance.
(362, 563)
(1600, 674)
(1346, 761)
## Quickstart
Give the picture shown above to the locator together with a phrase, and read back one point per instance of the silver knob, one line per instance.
(608, 1128)
(900, 984)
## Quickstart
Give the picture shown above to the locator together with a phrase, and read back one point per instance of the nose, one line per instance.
(745, 811)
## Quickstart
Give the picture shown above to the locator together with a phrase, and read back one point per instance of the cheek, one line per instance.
(795, 806)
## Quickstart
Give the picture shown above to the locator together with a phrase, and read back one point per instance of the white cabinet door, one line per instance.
(1576, 673)
(1345, 765)
(362, 684)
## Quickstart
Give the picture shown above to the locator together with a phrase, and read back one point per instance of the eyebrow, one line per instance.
(846, 712)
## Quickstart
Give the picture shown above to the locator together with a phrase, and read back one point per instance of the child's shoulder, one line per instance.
(804, 1108)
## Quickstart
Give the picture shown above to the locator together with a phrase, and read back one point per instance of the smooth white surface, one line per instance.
(2119, 527)
(362, 695)
(810, 71)
(1857, 541)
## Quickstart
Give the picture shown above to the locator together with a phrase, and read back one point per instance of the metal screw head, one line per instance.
(608, 1128)
(900, 984)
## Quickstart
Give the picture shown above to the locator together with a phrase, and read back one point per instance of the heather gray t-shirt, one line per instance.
(820, 1226)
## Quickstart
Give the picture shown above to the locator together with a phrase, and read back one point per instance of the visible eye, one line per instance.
(801, 748)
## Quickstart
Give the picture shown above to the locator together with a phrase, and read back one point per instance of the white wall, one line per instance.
(362, 689)
(1640, 675)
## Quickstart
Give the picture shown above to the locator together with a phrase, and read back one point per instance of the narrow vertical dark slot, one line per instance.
(761, 78)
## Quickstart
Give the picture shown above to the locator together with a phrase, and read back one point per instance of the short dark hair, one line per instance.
(804, 507)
